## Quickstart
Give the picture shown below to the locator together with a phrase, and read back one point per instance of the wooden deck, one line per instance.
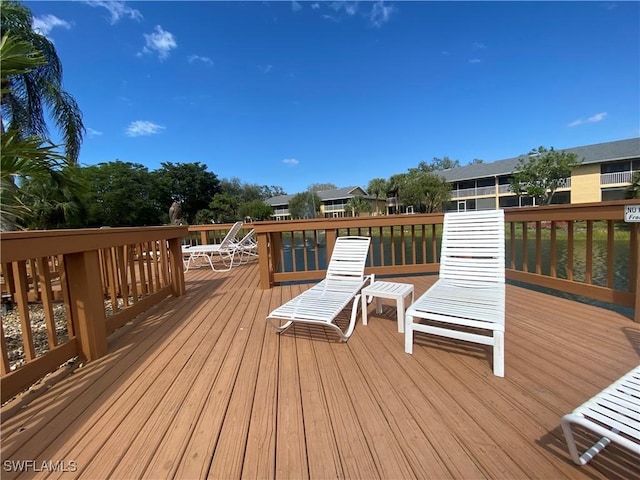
(202, 386)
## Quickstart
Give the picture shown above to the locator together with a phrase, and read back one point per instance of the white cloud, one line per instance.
(290, 161)
(474, 60)
(198, 58)
(160, 42)
(295, 6)
(141, 128)
(43, 25)
(315, 6)
(349, 7)
(266, 69)
(117, 9)
(93, 133)
(598, 117)
(380, 14)
(479, 46)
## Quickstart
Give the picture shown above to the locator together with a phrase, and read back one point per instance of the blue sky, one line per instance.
(295, 93)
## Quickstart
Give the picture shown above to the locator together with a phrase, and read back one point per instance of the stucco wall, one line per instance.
(585, 184)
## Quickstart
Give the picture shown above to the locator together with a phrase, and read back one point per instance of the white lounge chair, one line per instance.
(224, 251)
(322, 303)
(614, 413)
(470, 292)
(246, 247)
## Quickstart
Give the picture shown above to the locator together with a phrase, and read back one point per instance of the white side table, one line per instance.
(394, 291)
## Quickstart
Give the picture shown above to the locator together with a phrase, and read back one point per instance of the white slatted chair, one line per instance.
(322, 303)
(614, 413)
(246, 247)
(470, 290)
(224, 251)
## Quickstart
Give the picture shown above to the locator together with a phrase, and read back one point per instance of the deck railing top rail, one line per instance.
(24, 245)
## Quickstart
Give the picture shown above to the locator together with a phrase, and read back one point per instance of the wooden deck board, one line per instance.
(202, 386)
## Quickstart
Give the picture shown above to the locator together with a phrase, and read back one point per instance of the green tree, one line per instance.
(305, 205)
(357, 205)
(190, 183)
(32, 94)
(271, 191)
(122, 194)
(633, 191)
(378, 188)
(256, 210)
(204, 216)
(426, 191)
(224, 207)
(321, 187)
(541, 173)
(438, 164)
(56, 201)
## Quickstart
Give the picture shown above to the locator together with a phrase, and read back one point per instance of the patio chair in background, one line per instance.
(224, 252)
(468, 299)
(322, 303)
(246, 247)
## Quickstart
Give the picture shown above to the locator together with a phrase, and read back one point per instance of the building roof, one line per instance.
(325, 195)
(597, 153)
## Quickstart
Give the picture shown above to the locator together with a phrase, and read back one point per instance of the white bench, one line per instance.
(614, 413)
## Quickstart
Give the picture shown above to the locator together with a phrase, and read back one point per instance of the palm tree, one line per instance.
(25, 156)
(378, 187)
(358, 205)
(26, 94)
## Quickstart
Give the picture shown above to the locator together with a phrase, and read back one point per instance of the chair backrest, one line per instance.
(473, 247)
(247, 240)
(231, 235)
(348, 258)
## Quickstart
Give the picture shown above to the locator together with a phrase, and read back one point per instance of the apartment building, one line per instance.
(604, 174)
(333, 203)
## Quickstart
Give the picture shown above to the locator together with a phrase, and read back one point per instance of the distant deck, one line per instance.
(201, 386)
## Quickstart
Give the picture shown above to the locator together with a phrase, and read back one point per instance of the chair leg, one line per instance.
(352, 322)
(408, 334)
(498, 354)
(591, 452)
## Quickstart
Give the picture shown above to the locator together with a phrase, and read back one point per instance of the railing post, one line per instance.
(635, 259)
(87, 303)
(330, 240)
(264, 260)
(177, 267)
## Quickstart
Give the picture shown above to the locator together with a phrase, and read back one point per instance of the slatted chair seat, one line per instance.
(470, 290)
(322, 303)
(613, 413)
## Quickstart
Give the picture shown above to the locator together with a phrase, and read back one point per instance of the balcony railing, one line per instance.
(617, 177)
(334, 207)
(473, 192)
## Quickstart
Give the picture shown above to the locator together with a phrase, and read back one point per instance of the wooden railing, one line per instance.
(552, 247)
(65, 291)
(70, 289)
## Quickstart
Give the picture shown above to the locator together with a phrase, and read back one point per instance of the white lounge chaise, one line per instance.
(224, 251)
(614, 413)
(467, 302)
(322, 303)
